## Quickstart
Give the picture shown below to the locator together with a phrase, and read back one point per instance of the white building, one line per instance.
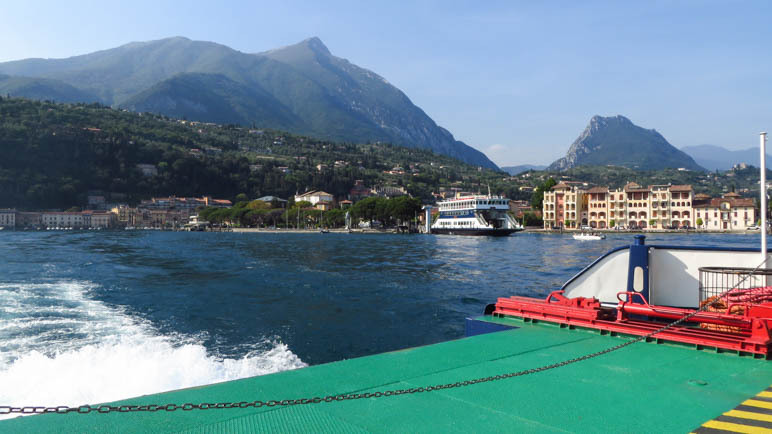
(98, 219)
(8, 218)
(729, 213)
(62, 219)
(315, 197)
(147, 169)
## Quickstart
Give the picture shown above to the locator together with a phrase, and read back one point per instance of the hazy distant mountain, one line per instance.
(515, 170)
(302, 88)
(617, 141)
(714, 157)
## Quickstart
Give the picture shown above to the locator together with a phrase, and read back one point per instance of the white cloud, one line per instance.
(493, 149)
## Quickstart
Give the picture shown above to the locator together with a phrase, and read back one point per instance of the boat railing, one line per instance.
(669, 274)
(747, 285)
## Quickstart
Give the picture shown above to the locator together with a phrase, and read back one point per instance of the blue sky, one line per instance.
(517, 80)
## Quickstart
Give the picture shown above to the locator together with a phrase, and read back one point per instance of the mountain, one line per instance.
(617, 141)
(515, 170)
(212, 98)
(54, 155)
(714, 157)
(301, 88)
(42, 88)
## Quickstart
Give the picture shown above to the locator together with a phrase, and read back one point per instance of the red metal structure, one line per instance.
(748, 332)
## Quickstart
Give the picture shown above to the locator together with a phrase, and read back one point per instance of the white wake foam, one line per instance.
(58, 347)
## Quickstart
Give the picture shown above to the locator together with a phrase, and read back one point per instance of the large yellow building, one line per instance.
(654, 207)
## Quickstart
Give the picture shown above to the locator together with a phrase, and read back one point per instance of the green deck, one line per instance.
(645, 387)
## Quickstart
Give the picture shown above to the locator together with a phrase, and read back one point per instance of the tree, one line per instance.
(531, 219)
(537, 200)
(612, 223)
(254, 217)
(699, 222)
(366, 209)
(652, 222)
(258, 204)
(334, 218)
(403, 208)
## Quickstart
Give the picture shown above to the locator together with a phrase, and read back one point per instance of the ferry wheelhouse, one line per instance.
(475, 215)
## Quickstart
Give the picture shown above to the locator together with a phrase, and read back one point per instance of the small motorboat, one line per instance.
(589, 236)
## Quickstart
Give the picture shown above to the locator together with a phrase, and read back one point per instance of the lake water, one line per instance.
(88, 317)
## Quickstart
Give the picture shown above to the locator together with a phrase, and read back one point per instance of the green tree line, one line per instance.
(391, 212)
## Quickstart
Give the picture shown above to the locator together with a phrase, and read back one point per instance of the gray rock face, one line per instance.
(617, 141)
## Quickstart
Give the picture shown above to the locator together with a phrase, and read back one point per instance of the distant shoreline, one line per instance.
(392, 231)
(308, 231)
(656, 231)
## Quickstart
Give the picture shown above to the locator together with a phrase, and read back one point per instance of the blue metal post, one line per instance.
(639, 260)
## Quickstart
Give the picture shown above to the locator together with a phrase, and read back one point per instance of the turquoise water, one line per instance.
(169, 310)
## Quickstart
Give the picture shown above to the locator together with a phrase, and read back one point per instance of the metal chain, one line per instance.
(83, 409)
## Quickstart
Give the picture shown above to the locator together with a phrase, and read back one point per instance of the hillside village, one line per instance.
(153, 171)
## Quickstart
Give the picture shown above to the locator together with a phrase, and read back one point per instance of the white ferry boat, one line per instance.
(475, 215)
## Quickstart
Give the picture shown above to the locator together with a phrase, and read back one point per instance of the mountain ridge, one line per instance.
(327, 96)
(714, 157)
(516, 170)
(615, 140)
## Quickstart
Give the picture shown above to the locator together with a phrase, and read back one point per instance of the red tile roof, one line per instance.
(733, 203)
(680, 188)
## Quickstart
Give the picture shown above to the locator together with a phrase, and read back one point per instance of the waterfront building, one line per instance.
(728, 213)
(8, 218)
(616, 208)
(184, 203)
(654, 207)
(563, 205)
(98, 219)
(169, 218)
(637, 205)
(29, 219)
(314, 196)
(681, 211)
(598, 207)
(660, 207)
(62, 219)
(123, 214)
